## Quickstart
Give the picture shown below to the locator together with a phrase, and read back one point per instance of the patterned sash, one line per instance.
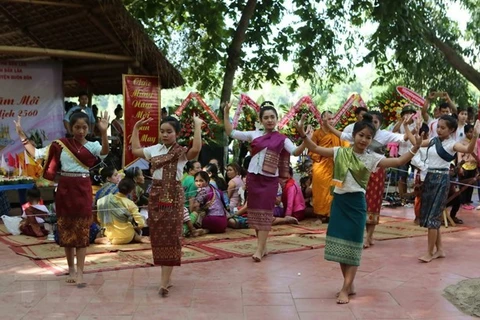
(168, 162)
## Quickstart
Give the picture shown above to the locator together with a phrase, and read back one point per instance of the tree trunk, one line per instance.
(456, 61)
(235, 50)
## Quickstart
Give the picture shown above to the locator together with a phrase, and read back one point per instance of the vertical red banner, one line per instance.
(141, 99)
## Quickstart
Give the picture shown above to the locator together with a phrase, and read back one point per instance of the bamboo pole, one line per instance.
(29, 51)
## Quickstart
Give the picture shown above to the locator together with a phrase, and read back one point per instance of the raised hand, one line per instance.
(226, 108)
(18, 127)
(142, 122)
(418, 140)
(300, 125)
(197, 120)
(477, 127)
(407, 119)
(103, 122)
(309, 132)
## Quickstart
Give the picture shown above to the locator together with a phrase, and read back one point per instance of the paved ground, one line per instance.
(391, 284)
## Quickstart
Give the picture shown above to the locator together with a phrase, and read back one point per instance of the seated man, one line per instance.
(120, 217)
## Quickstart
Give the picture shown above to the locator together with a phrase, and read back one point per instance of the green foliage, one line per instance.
(320, 38)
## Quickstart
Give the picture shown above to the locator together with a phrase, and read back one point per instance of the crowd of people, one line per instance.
(345, 186)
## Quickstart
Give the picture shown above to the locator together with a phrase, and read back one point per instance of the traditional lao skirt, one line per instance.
(374, 195)
(434, 198)
(344, 242)
(165, 218)
(262, 193)
(73, 205)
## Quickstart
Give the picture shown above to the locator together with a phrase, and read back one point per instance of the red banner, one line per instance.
(141, 99)
(244, 100)
(411, 96)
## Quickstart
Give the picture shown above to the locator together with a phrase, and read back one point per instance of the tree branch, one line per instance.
(235, 50)
(456, 60)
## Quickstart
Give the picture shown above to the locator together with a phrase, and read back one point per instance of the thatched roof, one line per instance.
(97, 41)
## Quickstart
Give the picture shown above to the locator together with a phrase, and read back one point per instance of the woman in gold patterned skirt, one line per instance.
(166, 199)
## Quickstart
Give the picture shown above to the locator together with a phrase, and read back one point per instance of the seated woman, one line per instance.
(110, 179)
(33, 214)
(292, 197)
(138, 195)
(213, 217)
(120, 217)
(234, 185)
(217, 181)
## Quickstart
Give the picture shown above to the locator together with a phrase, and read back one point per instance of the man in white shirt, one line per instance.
(403, 147)
(359, 112)
(444, 108)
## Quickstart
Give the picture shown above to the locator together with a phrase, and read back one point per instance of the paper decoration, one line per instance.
(244, 101)
(196, 96)
(354, 101)
(296, 108)
(411, 96)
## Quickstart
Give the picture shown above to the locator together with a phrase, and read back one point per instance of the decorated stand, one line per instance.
(246, 118)
(211, 128)
(346, 114)
(304, 106)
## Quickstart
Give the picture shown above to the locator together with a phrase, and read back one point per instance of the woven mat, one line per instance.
(124, 260)
(309, 234)
(3, 230)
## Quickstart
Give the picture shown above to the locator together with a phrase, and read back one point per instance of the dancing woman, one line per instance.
(440, 153)
(376, 183)
(167, 198)
(270, 159)
(352, 170)
(73, 199)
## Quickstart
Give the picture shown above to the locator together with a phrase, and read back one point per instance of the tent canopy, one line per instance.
(97, 41)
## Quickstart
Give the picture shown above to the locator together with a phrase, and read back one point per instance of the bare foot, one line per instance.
(257, 256)
(291, 220)
(71, 276)
(351, 292)
(368, 243)
(163, 292)
(426, 258)
(343, 298)
(199, 232)
(144, 239)
(439, 254)
(80, 282)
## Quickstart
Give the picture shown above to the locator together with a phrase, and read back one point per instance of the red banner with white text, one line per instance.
(141, 99)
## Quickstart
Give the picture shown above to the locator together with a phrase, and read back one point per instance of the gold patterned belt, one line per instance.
(75, 174)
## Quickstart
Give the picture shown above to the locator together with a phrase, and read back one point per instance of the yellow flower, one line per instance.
(387, 102)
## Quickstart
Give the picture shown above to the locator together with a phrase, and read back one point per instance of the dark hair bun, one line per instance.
(367, 118)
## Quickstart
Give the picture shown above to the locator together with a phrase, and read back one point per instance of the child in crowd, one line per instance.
(467, 168)
(33, 213)
(120, 217)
